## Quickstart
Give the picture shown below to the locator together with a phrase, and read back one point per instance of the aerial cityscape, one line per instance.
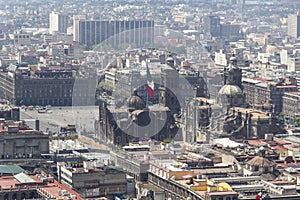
(150, 100)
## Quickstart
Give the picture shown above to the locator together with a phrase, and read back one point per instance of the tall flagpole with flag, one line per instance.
(150, 84)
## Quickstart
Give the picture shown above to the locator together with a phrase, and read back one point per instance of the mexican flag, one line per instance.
(259, 196)
(150, 84)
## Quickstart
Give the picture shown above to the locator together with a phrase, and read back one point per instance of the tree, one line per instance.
(167, 140)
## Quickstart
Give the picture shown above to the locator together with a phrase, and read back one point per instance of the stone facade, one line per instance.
(265, 95)
(18, 141)
(56, 88)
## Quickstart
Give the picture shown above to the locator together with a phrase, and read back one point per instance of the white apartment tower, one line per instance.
(294, 25)
(58, 23)
(76, 19)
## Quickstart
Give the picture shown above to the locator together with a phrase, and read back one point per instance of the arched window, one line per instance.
(14, 196)
(23, 196)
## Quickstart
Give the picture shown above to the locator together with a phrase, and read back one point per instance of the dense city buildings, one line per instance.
(156, 100)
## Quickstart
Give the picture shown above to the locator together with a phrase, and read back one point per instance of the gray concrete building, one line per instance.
(114, 33)
(93, 179)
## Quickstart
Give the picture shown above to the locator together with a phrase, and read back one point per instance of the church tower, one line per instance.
(231, 94)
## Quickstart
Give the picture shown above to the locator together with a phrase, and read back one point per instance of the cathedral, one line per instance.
(185, 113)
(228, 115)
(120, 125)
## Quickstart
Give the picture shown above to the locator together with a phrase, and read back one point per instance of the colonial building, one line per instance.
(265, 94)
(124, 125)
(177, 87)
(248, 123)
(260, 165)
(180, 183)
(125, 119)
(195, 120)
(32, 186)
(19, 141)
(47, 87)
(291, 104)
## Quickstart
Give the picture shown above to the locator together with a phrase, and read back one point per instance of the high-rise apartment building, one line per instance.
(76, 19)
(294, 25)
(138, 33)
(58, 23)
(212, 25)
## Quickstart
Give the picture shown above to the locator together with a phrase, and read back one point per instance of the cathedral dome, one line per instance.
(135, 102)
(230, 90)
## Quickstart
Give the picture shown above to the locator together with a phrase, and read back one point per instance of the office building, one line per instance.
(58, 23)
(114, 33)
(230, 30)
(22, 38)
(212, 26)
(93, 179)
(294, 25)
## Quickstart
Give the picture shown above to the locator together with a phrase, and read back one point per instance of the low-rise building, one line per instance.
(180, 182)
(34, 186)
(17, 140)
(93, 179)
(9, 113)
(136, 167)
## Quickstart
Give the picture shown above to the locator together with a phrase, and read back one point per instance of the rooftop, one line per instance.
(254, 113)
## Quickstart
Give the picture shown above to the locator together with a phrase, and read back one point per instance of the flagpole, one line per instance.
(150, 85)
(147, 98)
